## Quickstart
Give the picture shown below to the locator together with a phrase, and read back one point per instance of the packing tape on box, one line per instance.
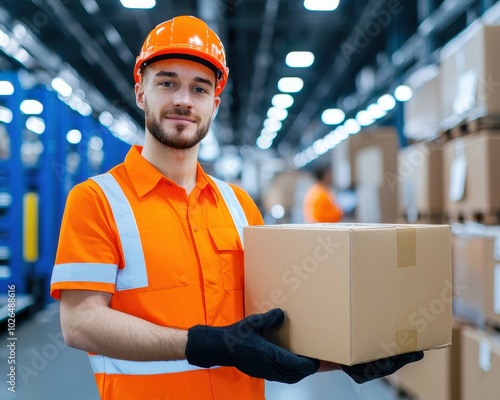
(407, 246)
(406, 341)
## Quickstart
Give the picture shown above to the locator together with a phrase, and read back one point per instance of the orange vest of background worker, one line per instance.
(149, 267)
(319, 201)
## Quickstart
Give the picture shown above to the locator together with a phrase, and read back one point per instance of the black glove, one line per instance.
(241, 345)
(365, 372)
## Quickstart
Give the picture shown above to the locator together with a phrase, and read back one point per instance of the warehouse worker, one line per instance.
(149, 267)
(319, 201)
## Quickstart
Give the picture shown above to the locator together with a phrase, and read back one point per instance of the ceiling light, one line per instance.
(403, 93)
(31, 107)
(74, 136)
(268, 134)
(143, 4)
(352, 126)
(95, 143)
(277, 113)
(61, 87)
(85, 109)
(263, 143)
(19, 31)
(6, 88)
(376, 111)
(106, 119)
(35, 124)
(5, 115)
(299, 59)
(22, 56)
(321, 5)
(332, 116)
(272, 125)
(342, 132)
(290, 85)
(282, 100)
(364, 118)
(4, 39)
(278, 211)
(320, 146)
(387, 102)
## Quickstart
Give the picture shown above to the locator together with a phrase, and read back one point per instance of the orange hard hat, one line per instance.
(188, 38)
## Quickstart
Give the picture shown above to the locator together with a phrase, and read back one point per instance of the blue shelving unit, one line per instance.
(46, 180)
(13, 269)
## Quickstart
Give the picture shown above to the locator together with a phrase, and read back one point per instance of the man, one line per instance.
(319, 201)
(149, 268)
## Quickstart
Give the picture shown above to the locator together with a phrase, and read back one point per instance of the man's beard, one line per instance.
(174, 140)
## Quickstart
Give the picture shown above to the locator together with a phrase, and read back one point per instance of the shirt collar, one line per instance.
(145, 177)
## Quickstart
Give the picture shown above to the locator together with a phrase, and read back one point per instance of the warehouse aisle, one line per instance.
(47, 369)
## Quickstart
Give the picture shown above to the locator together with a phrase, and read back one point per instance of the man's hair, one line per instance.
(319, 172)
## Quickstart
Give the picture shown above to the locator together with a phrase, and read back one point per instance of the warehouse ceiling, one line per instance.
(361, 49)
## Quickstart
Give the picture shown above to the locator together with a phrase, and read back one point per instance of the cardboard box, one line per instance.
(470, 71)
(384, 140)
(470, 174)
(422, 113)
(473, 268)
(437, 376)
(420, 167)
(375, 204)
(352, 292)
(492, 296)
(480, 365)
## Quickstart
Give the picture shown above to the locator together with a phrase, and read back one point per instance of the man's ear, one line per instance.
(216, 107)
(139, 95)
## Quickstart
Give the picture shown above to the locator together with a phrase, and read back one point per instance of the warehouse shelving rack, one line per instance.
(32, 196)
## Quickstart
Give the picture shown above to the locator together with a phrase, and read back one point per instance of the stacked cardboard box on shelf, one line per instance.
(368, 162)
(470, 68)
(437, 376)
(473, 276)
(480, 364)
(422, 113)
(471, 170)
(421, 183)
(467, 144)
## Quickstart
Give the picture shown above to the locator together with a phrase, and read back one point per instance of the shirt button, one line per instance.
(195, 228)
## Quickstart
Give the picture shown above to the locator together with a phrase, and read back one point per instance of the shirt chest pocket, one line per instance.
(227, 244)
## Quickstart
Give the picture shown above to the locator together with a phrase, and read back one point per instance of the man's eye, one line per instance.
(166, 84)
(200, 90)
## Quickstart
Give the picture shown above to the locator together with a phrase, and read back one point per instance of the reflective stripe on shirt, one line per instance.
(108, 365)
(134, 274)
(84, 272)
(234, 206)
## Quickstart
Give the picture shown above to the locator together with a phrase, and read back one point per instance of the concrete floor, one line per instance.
(47, 369)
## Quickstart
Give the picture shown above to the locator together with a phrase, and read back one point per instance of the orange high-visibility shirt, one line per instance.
(319, 205)
(193, 274)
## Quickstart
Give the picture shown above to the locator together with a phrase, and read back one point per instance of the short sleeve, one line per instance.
(88, 253)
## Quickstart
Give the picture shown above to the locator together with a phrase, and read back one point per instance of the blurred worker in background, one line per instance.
(149, 268)
(319, 201)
